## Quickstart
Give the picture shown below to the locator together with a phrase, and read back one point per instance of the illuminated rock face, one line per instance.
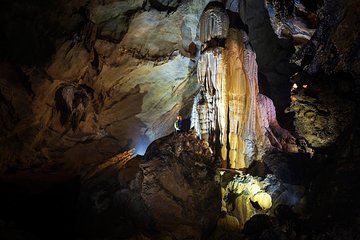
(229, 107)
(116, 78)
(244, 196)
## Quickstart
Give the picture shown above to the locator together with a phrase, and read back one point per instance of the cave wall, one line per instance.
(325, 101)
(82, 81)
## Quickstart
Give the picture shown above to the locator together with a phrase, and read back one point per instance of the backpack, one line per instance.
(178, 124)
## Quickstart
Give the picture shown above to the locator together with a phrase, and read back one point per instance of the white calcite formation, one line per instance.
(229, 109)
(244, 196)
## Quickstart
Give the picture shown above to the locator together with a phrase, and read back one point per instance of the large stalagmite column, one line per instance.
(228, 97)
(241, 93)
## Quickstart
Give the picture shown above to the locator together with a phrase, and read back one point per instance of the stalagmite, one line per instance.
(227, 109)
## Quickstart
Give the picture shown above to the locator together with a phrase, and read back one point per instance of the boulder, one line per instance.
(178, 186)
(169, 192)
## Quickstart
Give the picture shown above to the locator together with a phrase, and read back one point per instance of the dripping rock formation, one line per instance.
(229, 109)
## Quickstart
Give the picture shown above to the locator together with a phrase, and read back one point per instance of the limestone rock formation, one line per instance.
(176, 191)
(127, 58)
(178, 185)
(245, 196)
(272, 56)
(81, 81)
(93, 79)
(229, 101)
(169, 192)
(320, 117)
(292, 19)
(324, 93)
(214, 22)
(333, 48)
(325, 99)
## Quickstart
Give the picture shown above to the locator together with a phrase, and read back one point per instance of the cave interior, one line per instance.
(264, 96)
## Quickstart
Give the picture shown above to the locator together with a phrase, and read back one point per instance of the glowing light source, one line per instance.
(294, 87)
(293, 98)
(141, 146)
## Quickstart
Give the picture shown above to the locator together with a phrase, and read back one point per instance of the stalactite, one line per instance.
(203, 115)
(214, 23)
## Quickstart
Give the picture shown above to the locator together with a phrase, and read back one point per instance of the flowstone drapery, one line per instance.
(229, 109)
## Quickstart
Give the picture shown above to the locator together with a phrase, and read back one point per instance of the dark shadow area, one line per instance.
(169, 6)
(30, 29)
(48, 214)
(292, 168)
(264, 85)
(258, 169)
(272, 57)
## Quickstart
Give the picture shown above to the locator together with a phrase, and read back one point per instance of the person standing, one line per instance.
(178, 124)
